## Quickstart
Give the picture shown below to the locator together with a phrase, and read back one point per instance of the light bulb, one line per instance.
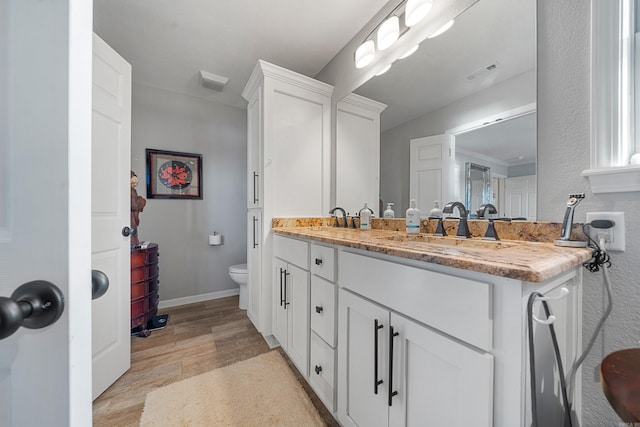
(388, 32)
(416, 10)
(364, 54)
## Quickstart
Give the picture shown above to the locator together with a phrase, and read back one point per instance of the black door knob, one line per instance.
(99, 284)
(126, 231)
(33, 305)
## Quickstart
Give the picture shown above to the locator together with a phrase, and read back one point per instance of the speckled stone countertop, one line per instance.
(525, 252)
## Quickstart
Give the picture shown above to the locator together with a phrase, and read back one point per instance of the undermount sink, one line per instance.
(450, 241)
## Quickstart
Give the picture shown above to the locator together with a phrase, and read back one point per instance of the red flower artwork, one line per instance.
(175, 174)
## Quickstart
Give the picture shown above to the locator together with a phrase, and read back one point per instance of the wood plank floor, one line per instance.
(198, 338)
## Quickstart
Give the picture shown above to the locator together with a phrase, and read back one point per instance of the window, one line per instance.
(615, 107)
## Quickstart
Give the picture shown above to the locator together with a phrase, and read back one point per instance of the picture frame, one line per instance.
(173, 175)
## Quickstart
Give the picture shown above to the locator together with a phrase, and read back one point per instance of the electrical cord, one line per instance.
(599, 260)
(563, 385)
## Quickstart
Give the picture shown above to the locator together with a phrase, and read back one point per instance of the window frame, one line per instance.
(612, 97)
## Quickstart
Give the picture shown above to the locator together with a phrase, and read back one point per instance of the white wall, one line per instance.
(170, 121)
(563, 153)
(394, 143)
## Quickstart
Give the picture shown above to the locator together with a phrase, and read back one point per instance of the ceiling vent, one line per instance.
(213, 81)
(482, 71)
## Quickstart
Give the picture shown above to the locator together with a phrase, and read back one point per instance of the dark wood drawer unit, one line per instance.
(144, 285)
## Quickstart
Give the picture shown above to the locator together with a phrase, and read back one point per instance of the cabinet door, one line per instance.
(254, 267)
(297, 306)
(361, 402)
(280, 306)
(439, 381)
(254, 158)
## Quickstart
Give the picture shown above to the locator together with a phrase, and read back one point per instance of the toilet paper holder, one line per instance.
(215, 239)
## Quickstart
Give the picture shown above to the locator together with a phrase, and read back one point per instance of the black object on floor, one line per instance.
(156, 322)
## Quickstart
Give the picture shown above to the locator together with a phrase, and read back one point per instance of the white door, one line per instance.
(520, 195)
(362, 384)
(280, 312)
(45, 205)
(438, 379)
(297, 298)
(110, 203)
(431, 169)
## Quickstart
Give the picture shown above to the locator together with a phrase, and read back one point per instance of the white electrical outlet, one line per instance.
(614, 240)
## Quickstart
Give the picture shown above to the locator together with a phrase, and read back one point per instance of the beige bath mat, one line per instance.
(261, 391)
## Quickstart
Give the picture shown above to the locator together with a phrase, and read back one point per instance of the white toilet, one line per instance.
(238, 274)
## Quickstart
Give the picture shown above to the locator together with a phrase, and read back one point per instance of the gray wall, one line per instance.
(176, 122)
(394, 143)
(563, 153)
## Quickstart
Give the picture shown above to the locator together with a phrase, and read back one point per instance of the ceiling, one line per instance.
(168, 42)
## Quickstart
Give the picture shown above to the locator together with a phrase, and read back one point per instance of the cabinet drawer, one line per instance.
(322, 373)
(323, 262)
(454, 305)
(323, 309)
(292, 250)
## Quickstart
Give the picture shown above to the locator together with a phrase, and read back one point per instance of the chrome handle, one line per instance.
(33, 305)
(99, 284)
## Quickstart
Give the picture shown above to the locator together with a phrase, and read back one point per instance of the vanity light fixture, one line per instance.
(384, 70)
(416, 10)
(365, 53)
(442, 29)
(410, 52)
(388, 32)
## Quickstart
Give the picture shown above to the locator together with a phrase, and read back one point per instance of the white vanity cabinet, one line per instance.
(394, 371)
(291, 299)
(288, 167)
(422, 344)
(322, 362)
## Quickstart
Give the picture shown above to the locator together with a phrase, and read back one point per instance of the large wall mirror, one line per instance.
(475, 82)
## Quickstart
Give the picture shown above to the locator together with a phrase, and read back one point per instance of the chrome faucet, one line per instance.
(486, 209)
(463, 228)
(344, 216)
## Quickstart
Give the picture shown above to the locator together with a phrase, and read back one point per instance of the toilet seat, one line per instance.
(238, 268)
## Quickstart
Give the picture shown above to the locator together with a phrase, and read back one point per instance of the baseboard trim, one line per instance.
(198, 298)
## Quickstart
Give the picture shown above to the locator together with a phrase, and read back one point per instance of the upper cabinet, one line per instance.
(358, 153)
(289, 149)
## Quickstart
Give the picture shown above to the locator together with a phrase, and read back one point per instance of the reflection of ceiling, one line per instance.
(498, 32)
(168, 42)
(504, 142)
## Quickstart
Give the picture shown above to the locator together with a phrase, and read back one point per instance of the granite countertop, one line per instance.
(526, 251)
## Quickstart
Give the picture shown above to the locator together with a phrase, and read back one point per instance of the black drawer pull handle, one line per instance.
(318, 261)
(318, 369)
(318, 309)
(376, 381)
(392, 392)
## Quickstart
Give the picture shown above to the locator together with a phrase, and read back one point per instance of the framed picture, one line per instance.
(173, 175)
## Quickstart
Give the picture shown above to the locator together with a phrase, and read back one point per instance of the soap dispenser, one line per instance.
(436, 212)
(365, 217)
(413, 218)
(389, 213)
